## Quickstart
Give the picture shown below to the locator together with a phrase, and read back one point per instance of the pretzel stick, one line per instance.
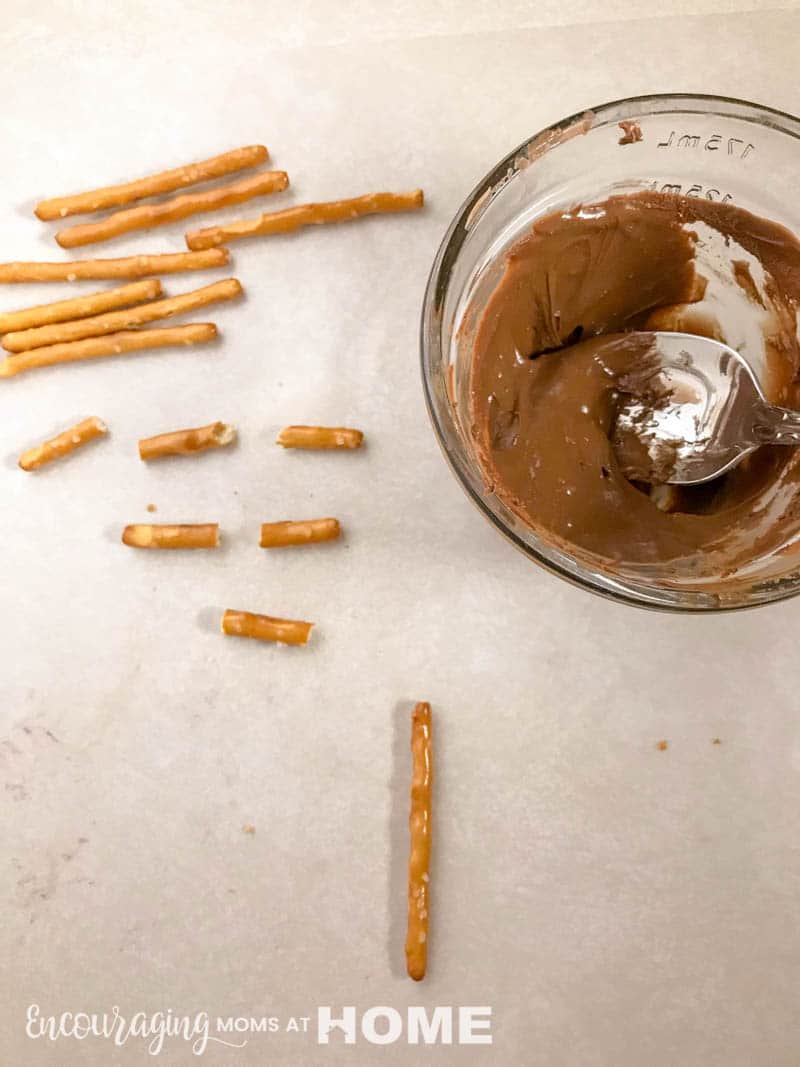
(165, 182)
(319, 437)
(419, 858)
(293, 218)
(281, 534)
(99, 325)
(146, 216)
(113, 344)
(74, 270)
(62, 444)
(187, 442)
(265, 628)
(79, 307)
(205, 535)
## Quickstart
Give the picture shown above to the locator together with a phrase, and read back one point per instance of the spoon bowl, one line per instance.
(697, 414)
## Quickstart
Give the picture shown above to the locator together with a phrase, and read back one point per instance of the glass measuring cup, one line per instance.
(725, 150)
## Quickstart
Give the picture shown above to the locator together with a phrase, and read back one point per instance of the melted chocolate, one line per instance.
(566, 327)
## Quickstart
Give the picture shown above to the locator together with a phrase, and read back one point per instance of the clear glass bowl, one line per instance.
(707, 146)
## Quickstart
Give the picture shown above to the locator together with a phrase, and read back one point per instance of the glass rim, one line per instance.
(620, 591)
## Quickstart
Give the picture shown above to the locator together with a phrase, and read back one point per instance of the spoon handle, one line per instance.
(776, 426)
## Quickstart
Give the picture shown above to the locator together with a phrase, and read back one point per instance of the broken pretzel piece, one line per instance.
(79, 307)
(62, 444)
(166, 181)
(113, 344)
(319, 437)
(419, 859)
(147, 216)
(187, 442)
(142, 535)
(311, 531)
(293, 218)
(74, 270)
(265, 628)
(114, 321)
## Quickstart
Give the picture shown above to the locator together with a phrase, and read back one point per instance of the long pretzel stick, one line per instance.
(146, 216)
(187, 442)
(419, 858)
(319, 437)
(293, 218)
(204, 535)
(265, 628)
(62, 444)
(113, 344)
(79, 307)
(312, 531)
(74, 270)
(114, 321)
(165, 182)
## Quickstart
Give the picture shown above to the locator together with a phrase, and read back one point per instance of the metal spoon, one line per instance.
(700, 413)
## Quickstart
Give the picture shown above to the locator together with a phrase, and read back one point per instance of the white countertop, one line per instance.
(615, 904)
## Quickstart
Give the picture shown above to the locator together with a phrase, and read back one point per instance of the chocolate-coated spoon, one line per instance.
(698, 414)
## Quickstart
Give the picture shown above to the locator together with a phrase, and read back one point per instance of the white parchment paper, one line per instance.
(613, 903)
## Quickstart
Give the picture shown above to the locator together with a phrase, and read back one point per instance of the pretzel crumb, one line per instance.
(662, 746)
(265, 628)
(420, 850)
(200, 535)
(63, 443)
(320, 437)
(307, 532)
(152, 507)
(631, 131)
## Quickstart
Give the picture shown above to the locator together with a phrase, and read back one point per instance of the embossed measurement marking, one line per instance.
(733, 146)
(678, 188)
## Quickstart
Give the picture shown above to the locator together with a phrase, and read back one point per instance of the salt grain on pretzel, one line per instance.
(265, 628)
(153, 185)
(62, 444)
(187, 442)
(113, 344)
(73, 270)
(114, 321)
(309, 532)
(142, 535)
(319, 437)
(148, 216)
(293, 218)
(79, 307)
(419, 858)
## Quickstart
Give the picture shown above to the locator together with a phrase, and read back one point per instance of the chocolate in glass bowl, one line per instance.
(707, 155)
